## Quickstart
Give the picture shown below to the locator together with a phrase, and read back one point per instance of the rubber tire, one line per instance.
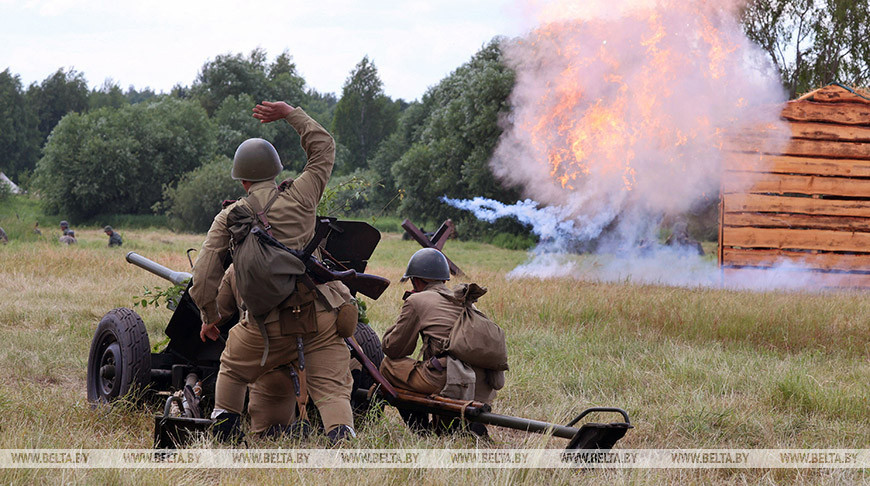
(121, 341)
(370, 343)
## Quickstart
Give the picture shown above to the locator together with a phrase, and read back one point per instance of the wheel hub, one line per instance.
(109, 380)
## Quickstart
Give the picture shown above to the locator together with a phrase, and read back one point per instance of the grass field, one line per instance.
(694, 367)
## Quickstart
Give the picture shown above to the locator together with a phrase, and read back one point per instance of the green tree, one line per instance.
(384, 192)
(109, 94)
(364, 115)
(321, 106)
(118, 159)
(286, 84)
(19, 137)
(457, 132)
(235, 125)
(812, 42)
(133, 96)
(59, 94)
(191, 204)
(284, 81)
(231, 75)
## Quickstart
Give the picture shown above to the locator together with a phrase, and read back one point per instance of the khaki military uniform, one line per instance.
(429, 314)
(271, 399)
(292, 217)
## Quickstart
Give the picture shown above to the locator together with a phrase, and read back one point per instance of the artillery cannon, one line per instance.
(157, 269)
(182, 376)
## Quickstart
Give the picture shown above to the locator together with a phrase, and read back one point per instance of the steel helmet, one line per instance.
(429, 264)
(256, 160)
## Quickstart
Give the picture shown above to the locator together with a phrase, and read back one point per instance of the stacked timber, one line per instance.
(802, 202)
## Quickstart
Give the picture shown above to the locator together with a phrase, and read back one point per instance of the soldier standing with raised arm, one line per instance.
(292, 218)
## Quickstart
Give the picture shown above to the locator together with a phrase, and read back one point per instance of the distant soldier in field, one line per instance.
(69, 236)
(430, 312)
(680, 238)
(36, 229)
(3, 238)
(114, 238)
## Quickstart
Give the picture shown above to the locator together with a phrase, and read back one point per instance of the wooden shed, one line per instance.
(808, 205)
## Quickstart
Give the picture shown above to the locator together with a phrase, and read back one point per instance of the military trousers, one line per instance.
(422, 377)
(410, 374)
(327, 365)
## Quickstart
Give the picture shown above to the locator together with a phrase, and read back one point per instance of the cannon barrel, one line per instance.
(157, 269)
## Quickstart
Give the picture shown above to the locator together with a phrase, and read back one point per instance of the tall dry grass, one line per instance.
(694, 367)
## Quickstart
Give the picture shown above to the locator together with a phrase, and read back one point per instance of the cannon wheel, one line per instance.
(120, 358)
(371, 345)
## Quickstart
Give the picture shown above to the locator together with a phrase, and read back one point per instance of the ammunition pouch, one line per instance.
(297, 314)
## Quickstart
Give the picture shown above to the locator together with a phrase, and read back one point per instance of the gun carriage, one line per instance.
(182, 376)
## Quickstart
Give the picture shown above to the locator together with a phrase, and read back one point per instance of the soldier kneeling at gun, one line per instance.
(435, 312)
(271, 398)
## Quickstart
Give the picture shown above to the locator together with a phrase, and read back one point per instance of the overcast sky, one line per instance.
(159, 44)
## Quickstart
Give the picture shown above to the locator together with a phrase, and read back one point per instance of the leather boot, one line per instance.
(228, 428)
(299, 429)
(340, 433)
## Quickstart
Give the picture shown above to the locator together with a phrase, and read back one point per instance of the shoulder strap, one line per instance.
(261, 213)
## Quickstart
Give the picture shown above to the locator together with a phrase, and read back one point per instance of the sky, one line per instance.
(159, 44)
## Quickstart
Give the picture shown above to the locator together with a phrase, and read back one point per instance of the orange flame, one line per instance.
(597, 127)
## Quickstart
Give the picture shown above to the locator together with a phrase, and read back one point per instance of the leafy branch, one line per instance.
(153, 296)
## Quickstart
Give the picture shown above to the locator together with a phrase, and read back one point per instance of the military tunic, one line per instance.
(292, 217)
(429, 314)
(115, 239)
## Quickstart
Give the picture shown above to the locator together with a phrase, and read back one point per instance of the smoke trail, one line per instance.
(680, 265)
(551, 223)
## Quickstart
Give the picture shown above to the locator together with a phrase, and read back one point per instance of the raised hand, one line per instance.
(269, 111)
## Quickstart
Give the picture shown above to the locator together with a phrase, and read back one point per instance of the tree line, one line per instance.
(88, 152)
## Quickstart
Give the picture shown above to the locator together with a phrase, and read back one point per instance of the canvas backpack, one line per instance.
(265, 275)
(475, 339)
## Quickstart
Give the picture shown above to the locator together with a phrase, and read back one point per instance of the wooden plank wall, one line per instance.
(808, 204)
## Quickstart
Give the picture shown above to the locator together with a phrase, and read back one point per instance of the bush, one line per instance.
(5, 191)
(513, 242)
(130, 221)
(192, 204)
(121, 158)
(388, 224)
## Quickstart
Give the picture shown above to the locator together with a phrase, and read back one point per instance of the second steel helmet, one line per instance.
(429, 264)
(256, 160)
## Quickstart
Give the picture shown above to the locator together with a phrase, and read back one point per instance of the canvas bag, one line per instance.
(265, 275)
(475, 339)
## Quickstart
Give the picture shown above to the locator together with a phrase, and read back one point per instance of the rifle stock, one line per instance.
(386, 387)
(371, 286)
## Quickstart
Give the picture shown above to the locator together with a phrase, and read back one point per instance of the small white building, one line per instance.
(5, 180)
